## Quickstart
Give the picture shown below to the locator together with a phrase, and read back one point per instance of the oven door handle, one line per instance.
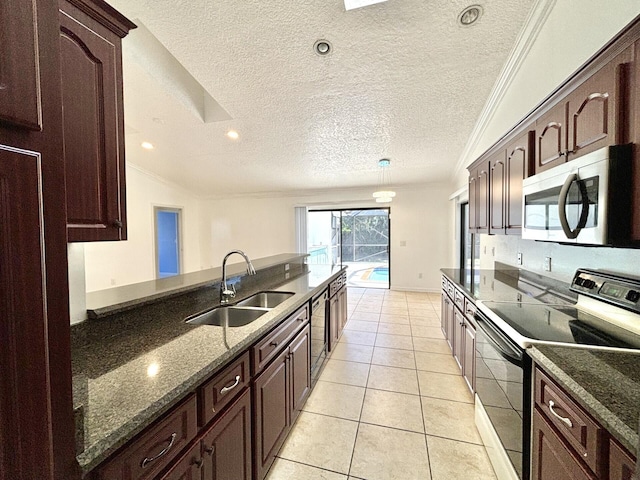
(510, 353)
(562, 204)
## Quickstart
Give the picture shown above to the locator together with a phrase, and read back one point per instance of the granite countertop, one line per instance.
(131, 367)
(606, 384)
(112, 300)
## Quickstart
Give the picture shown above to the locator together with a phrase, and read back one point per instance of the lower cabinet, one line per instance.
(279, 393)
(224, 451)
(568, 442)
(459, 330)
(550, 457)
(337, 316)
(226, 447)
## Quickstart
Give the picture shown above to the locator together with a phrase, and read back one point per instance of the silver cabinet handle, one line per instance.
(559, 417)
(230, 387)
(148, 460)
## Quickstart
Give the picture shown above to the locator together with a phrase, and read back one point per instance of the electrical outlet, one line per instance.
(493, 251)
(113, 282)
(547, 264)
(420, 275)
(286, 276)
(519, 258)
(286, 267)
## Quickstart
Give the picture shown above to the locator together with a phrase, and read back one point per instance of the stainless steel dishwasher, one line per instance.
(318, 333)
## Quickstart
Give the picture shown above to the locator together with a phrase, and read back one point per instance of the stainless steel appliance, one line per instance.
(585, 201)
(606, 316)
(319, 338)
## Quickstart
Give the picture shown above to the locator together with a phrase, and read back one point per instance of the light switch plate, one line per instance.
(547, 264)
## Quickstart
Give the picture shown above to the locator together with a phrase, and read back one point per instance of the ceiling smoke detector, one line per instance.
(470, 15)
(322, 47)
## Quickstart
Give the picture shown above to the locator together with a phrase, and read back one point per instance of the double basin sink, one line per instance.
(242, 313)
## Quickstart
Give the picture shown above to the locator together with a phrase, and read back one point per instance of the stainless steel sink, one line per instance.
(265, 299)
(227, 316)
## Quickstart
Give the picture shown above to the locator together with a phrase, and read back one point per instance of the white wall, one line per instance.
(565, 259)
(109, 264)
(420, 217)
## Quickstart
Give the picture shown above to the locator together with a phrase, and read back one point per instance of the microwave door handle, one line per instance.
(562, 211)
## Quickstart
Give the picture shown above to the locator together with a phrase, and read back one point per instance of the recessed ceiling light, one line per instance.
(353, 4)
(470, 15)
(232, 134)
(147, 145)
(322, 47)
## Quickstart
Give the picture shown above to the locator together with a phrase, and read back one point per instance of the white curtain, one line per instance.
(301, 229)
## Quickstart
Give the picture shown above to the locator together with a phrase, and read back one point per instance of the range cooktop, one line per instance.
(606, 316)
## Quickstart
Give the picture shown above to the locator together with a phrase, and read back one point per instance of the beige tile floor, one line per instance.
(390, 402)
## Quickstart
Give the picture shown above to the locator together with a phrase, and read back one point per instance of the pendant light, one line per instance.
(384, 194)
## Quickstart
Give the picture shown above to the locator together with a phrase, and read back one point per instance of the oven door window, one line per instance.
(541, 208)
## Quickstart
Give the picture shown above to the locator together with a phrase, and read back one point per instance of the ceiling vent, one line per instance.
(470, 15)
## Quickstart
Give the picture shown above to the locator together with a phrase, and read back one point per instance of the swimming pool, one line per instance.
(379, 274)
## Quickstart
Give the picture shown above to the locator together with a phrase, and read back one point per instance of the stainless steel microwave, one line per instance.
(585, 201)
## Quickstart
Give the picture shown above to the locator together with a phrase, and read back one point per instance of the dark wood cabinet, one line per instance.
(622, 466)
(551, 138)
(458, 337)
(518, 164)
(597, 108)
(337, 316)
(279, 393)
(479, 187)
(497, 179)
(188, 467)
(226, 447)
(93, 120)
(458, 330)
(551, 458)
(36, 412)
(156, 448)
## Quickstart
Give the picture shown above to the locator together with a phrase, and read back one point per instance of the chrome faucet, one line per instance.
(227, 294)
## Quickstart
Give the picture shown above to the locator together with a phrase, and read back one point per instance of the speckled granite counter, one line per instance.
(130, 368)
(118, 299)
(606, 384)
(509, 284)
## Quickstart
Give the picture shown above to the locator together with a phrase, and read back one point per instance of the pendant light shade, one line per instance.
(384, 194)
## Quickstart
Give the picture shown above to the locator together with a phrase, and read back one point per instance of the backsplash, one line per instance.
(565, 259)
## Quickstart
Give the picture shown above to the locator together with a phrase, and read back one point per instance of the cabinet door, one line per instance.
(271, 411)
(342, 299)
(334, 322)
(458, 336)
(551, 138)
(518, 158)
(188, 467)
(551, 459)
(299, 358)
(444, 308)
(621, 464)
(469, 357)
(226, 447)
(596, 109)
(93, 127)
(20, 103)
(450, 335)
(473, 201)
(497, 176)
(482, 212)
(24, 399)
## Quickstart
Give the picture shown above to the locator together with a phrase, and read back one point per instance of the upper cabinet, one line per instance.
(93, 120)
(519, 154)
(551, 138)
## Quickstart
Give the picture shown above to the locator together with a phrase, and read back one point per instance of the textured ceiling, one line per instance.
(403, 81)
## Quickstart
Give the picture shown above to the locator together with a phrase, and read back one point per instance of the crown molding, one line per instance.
(528, 35)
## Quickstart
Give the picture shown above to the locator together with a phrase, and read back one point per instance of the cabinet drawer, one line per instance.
(152, 451)
(337, 284)
(272, 343)
(223, 388)
(571, 421)
(445, 284)
(459, 299)
(469, 308)
(451, 290)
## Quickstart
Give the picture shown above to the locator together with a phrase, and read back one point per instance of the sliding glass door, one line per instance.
(358, 239)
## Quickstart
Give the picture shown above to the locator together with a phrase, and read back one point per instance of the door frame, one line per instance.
(346, 209)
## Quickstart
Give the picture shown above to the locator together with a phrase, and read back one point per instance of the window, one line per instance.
(168, 244)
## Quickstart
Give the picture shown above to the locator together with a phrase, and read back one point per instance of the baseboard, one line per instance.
(413, 289)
